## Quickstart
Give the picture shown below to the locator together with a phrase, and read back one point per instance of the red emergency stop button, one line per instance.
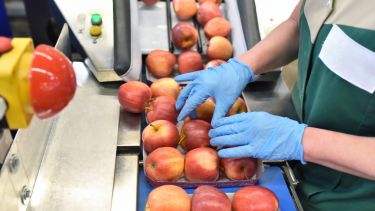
(52, 81)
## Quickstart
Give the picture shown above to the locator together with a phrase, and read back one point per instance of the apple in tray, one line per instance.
(160, 133)
(194, 134)
(214, 63)
(239, 168)
(164, 164)
(208, 198)
(218, 26)
(189, 61)
(134, 96)
(238, 107)
(165, 87)
(184, 9)
(160, 63)
(184, 35)
(202, 165)
(163, 107)
(219, 48)
(207, 11)
(206, 110)
(150, 2)
(168, 198)
(252, 198)
(212, 1)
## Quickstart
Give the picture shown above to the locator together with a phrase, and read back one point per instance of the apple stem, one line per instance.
(148, 108)
(182, 137)
(156, 128)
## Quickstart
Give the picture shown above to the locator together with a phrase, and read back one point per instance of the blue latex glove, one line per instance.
(260, 135)
(224, 83)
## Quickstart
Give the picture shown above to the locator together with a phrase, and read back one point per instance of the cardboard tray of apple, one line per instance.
(222, 181)
(180, 153)
(199, 33)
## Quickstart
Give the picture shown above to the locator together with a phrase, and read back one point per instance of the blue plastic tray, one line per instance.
(272, 178)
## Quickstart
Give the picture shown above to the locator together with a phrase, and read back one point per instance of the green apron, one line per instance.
(325, 100)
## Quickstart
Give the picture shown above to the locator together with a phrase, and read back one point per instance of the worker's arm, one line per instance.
(347, 153)
(270, 137)
(279, 47)
(226, 82)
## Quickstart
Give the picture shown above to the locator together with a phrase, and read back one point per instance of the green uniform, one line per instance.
(335, 91)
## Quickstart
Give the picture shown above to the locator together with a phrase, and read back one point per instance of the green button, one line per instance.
(96, 19)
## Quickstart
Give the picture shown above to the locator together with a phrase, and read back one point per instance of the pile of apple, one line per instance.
(174, 152)
(161, 63)
(208, 198)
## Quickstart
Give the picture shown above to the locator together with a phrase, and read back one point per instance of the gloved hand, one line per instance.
(224, 83)
(260, 135)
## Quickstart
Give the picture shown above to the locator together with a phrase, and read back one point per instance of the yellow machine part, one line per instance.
(14, 82)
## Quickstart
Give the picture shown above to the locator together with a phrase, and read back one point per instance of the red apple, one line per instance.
(160, 63)
(184, 35)
(133, 96)
(194, 134)
(163, 107)
(214, 63)
(219, 48)
(207, 11)
(150, 2)
(189, 61)
(185, 9)
(202, 165)
(208, 198)
(206, 110)
(160, 133)
(164, 164)
(165, 87)
(254, 198)
(218, 26)
(168, 198)
(239, 168)
(238, 107)
(212, 1)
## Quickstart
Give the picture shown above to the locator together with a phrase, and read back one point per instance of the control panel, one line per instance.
(95, 27)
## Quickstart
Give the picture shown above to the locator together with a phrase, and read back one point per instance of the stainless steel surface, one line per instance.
(153, 32)
(136, 55)
(270, 96)
(3, 108)
(31, 143)
(80, 159)
(129, 132)
(100, 50)
(125, 186)
(238, 39)
(22, 162)
(8, 195)
(63, 42)
(13, 177)
(5, 144)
